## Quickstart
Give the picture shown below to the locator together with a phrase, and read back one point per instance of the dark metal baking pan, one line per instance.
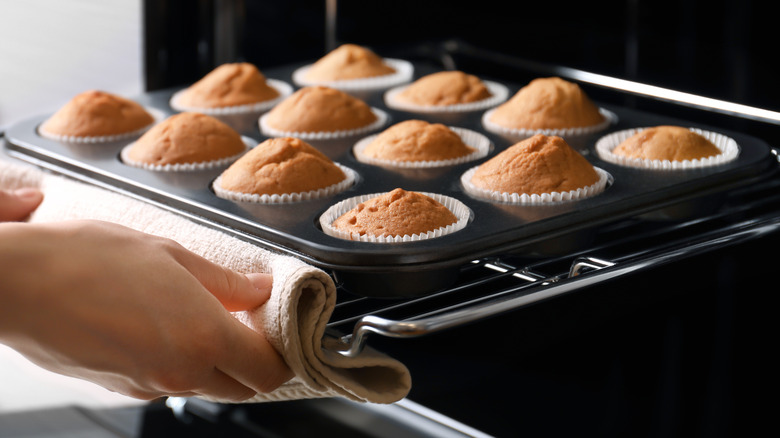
(413, 268)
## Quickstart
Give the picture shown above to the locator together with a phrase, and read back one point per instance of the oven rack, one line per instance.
(492, 286)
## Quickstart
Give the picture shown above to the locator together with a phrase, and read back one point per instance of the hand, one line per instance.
(135, 313)
(18, 204)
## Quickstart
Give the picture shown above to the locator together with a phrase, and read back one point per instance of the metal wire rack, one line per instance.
(491, 286)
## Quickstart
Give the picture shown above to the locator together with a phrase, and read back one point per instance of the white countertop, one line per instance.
(25, 386)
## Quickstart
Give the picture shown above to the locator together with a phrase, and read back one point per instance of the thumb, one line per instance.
(18, 204)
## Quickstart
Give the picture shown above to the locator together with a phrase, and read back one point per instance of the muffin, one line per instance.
(228, 85)
(282, 166)
(446, 91)
(319, 109)
(445, 88)
(355, 69)
(417, 140)
(185, 138)
(667, 147)
(395, 215)
(233, 86)
(348, 61)
(673, 143)
(537, 166)
(550, 104)
(97, 115)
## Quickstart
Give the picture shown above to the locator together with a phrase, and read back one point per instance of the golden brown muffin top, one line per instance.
(445, 88)
(396, 213)
(417, 140)
(98, 113)
(320, 109)
(230, 84)
(348, 61)
(673, 143)
(281, 165)
(536, 165)
(548, 103)
(186, 138)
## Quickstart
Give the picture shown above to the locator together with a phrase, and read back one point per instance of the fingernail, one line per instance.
(261, 281)
(28, 193)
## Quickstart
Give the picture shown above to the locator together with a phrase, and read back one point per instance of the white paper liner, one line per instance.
(381, 119)
(499, 93)
(185, 167)
(535, 199)
(350, 177)
(404, 71)
(609, 118)
(459, 209)
(479, 142)
(728, 146)
(156, 114)
(283, 88)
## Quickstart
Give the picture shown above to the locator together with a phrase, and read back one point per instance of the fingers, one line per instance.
(234, 290)
(248, 357)
(224, 388)
(253, 361)
(217, 385)
(262, 282)
(18, 204)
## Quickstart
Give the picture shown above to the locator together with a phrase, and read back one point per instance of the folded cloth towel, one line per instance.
(293, 320)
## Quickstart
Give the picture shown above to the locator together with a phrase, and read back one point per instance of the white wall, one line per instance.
(51, 50)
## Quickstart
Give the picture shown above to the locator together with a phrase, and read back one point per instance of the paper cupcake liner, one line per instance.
(348, 181)
(185, 167)
(535, 199)
(283, 88)
(381, 119)
(499, 93)
(609, 119)
(156, 114)
(460, 210)
(479, 142)
(728, 146)
(404, 71)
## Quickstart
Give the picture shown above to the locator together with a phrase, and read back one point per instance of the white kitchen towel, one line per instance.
(293, 320)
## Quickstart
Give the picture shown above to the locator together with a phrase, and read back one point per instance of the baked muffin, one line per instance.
(319, 109)
(185, 138)
(279, 166)
(444, 88)
(396, 213)
(673, 143)
(348, 61)
(97, 113)
(228, 85)
(537, 165)
(417, 140)
(547, 103)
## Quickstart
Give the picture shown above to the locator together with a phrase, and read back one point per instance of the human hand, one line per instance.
(135, 313)
(16, 205)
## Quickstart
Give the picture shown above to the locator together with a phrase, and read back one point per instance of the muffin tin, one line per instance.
(408, 268)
